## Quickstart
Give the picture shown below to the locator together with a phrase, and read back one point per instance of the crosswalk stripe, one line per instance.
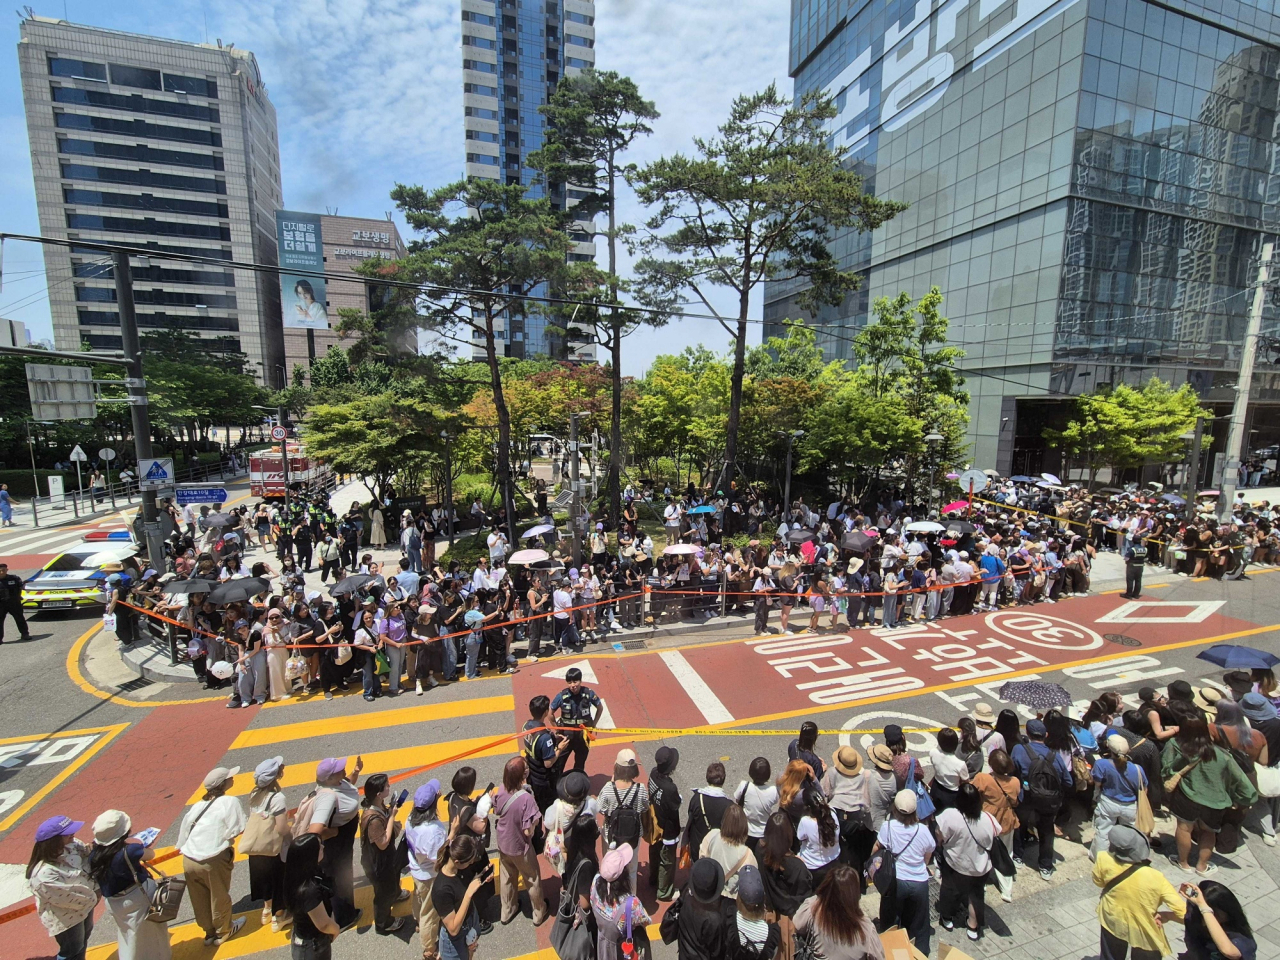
(352, 723)
(49, 543)
(386, 761)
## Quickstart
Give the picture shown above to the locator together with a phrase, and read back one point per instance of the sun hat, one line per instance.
(881, 756)
(331, 768)
(706, 880)
(1256, 707)
(665, 760)
(573, 787)
(893, 734)
(615, 861)
(111, 825)
(904, 801)
(57, 827)
(1118, 745)
(1207, 697)
(427, 794)
(218, 776)
(1128, 845)
(983, 713)
(848, 761)
(268, 771)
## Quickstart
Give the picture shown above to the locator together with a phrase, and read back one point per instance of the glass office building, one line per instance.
(514, 52)
(1090, 183)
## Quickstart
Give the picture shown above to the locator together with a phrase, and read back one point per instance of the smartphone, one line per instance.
(404, 795)
(489, 788)
(487, 872)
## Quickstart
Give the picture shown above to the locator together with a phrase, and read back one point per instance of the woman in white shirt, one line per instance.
(912, 846)
(966, 833)
(265, 833)
(58, 872)
(819, 834)
(758, 798)
(949, 771)
(206, 840)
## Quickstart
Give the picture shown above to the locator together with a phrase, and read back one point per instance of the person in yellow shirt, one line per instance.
(1136, 901)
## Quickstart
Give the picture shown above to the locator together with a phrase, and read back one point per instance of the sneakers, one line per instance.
(433, 682)
(1046, 874)
(417, 687)
(1269, 839)
(392, 927)
(532, 659)
(236, 926)
(328, 694)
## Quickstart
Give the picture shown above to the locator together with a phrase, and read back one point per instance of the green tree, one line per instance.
(797, 355)
(592, 119)
(1125, 427)
(484, 245)
(761, 201)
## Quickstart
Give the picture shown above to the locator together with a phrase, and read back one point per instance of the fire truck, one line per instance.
(307, 476)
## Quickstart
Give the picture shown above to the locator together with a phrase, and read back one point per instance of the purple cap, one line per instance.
(330, 768)
(427, 794)
(57, 827)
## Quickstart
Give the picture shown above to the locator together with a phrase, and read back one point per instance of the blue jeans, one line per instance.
(372, 685)
(474, 641)
(890, 609)
(448, 656)
(72, 941)
(454, 947)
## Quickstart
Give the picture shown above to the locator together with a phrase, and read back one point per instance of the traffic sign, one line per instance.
(78, 455)
(200, 493)
(106, 453)
(973, 481)
(279, 433)
(155, 473)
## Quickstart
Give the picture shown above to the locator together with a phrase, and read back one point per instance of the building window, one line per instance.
(482, 158)
(135, 77)
(471, 17)
(575, 62)
(197, 86)
(160, 228)
(470, 41)
(77, 69)
(141, 178)
(482, 135)
(480, 113)
(140, 153)
(578, 41)
(579, 18)
(479, 65)
(480, 88)
(137, 128)
(131, 201)
(136, 104)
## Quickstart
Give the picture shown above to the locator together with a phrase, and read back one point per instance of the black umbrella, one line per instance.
(220, 520)
(960, 527)
(234, 591)
(800, 536)
(1037, 694)
(349, 585)
(548, 564)
(191, 586)
(855, 540)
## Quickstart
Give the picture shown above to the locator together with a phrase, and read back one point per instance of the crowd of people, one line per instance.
(774, 867)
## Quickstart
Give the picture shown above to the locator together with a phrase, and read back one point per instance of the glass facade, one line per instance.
(1089, 180)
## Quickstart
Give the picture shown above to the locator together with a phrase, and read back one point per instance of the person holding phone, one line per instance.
(1217, 927)
(378, 834)
(117, 866)
(461, 870)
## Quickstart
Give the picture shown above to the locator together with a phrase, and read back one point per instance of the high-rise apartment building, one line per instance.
(514, 52)
(1090, 182)
(159, 144)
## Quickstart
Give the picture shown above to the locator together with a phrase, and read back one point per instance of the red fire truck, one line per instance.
(307, 476)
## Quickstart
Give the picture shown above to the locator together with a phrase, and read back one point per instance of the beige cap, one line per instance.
(904, 801)
(625, 758)
(218, 776)
(111, 825)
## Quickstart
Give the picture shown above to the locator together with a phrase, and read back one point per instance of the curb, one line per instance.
(153, 664)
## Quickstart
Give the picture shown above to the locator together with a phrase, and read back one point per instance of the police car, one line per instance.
(75, 578)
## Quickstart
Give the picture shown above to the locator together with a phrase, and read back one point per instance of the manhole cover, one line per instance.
(134, 685)
(633, 645)
(1121, 639)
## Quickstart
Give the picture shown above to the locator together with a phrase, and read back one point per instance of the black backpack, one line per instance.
(624, 821)
(1044, 787)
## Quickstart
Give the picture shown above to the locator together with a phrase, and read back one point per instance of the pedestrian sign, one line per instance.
(78, 455)
(155, 473)
(200, 493)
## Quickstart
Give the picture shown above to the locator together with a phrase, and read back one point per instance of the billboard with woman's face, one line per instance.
(302, 297)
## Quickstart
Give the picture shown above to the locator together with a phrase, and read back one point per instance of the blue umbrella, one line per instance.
(1174, 499)
(1232, 657)
(1023, 479)
(703, 509)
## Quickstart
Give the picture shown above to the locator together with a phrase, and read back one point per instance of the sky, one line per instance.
(368, 93)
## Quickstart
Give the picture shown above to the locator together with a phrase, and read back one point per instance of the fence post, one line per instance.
(75, 505)
(111, 492)
(172, 633)
(724, 591)
(35, 514)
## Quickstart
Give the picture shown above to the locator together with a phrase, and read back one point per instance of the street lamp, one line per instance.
(933, 439)
(791, 437)
(446, 436)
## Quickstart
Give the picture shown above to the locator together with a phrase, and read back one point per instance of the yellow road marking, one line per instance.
(110, 733)
(375, 720)
(385, 761)
(34, 737)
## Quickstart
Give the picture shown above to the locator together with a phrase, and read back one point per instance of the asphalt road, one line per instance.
(75, 744)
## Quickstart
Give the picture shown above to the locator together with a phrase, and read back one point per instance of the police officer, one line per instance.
(118, 593)
(577, 706)
(543, 754)
(11, 602)
(1135, 558)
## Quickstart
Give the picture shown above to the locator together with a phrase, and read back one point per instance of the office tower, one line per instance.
(1089, 180)
(159, 144)
(513, 54)
(341, 244)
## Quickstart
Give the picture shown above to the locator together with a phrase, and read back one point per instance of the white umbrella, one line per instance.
(528, 556)
(1051, 478)
(677, 549)
(925, 526)
(537, 531)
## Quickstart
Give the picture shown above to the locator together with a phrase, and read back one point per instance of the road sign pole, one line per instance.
(79, 482)
(137, 387)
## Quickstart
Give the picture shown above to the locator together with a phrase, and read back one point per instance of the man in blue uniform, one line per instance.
(577, 706)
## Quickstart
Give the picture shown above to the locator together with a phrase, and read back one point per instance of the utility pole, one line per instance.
(1240, 409)
(138, 409)
(575, 505)
(1193, 461)
(284, 449)
(448, 481)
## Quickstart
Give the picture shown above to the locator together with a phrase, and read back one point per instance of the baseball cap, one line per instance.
(267, 771)
(329, 768)
(1036, 728)
(1148, 693)
(57, 827)
(625, 758)
(427, 794)
(615, 861)
(904, 801)
(218, 776)
(750, 886)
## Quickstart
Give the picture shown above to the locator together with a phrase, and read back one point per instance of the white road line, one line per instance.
(45, 543)
(703, 696)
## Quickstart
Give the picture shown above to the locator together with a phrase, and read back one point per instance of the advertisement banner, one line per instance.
(302, 298)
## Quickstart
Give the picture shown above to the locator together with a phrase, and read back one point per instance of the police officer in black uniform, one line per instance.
(1135, 558)
(11, 602)
(579, 707)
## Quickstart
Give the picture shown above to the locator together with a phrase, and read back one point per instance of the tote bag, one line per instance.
(571, 937)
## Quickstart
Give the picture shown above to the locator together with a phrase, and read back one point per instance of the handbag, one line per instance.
(166, 898)
(260, 837)
(924, 803)
(342, 654)
(1174, 781)
(1269, 781)
(1145, 821)
(570, 934)
(381, 664)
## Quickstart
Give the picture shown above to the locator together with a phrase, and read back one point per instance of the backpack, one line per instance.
(1043, 785)
(303, 815)
(623, 822)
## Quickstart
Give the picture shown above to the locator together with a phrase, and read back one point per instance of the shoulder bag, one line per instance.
(260, 837)
(166, 898)
(1172, 784)
(570, 933)
(1145, 821)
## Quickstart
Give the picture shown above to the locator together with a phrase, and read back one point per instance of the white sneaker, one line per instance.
(533, 659)
(433, 682)
(1269, 839)
(418, 687)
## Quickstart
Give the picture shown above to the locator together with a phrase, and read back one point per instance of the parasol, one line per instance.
(855, 540)
(960, 527)
(1233, 657)
(705, 508)
(191, 586)
(349, 585)
(1037, 694)
(522, 557)
(800, 536)
(1051, 478)
(957, 505)
(234, 591)
(925, 526)
(680, 549)
(537, 531)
